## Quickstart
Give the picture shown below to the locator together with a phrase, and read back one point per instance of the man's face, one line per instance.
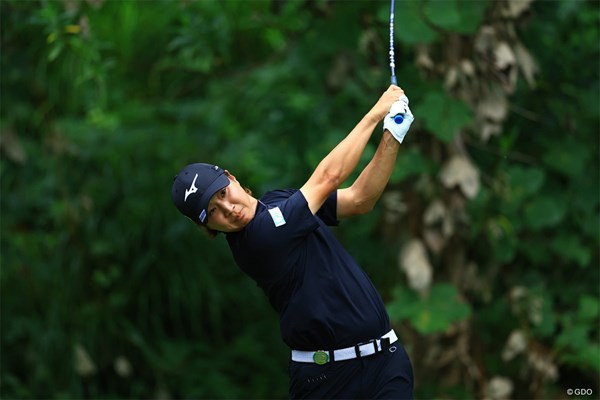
(231, 208)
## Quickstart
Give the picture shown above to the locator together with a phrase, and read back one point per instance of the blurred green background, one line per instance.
(485, 245)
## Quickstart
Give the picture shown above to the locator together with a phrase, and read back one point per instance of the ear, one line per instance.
(230, 176)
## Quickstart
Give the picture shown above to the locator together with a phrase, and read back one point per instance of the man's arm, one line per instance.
(361, 197)
(341, 161)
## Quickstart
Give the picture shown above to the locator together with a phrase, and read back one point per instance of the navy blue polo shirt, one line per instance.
(323, 297)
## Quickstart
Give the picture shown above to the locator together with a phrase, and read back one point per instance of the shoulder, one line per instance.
(278, 195)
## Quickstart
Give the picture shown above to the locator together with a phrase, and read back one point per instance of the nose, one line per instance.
(226, 208)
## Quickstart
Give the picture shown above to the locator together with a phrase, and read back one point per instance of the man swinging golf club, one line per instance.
(331, 315)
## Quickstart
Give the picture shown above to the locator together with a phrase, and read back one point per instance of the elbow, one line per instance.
(360, 202)
(365, 207)
(364, 200)
(332, 180)
(353, 202)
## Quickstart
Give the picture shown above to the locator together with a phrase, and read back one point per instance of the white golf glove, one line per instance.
(399, 119)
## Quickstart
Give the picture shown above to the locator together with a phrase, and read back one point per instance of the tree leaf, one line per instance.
(544, 212)
(568, 156)
(471, 15)
(570, 248)
(410, 163)
(55, 51)
(459, 171)
(442, 115)
(443, 14)
(527, 180)
(434, 313)
(523, 182)
(459, 16)
(410, 28)
(589, 308)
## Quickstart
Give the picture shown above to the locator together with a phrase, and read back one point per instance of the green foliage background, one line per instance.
(107, 292)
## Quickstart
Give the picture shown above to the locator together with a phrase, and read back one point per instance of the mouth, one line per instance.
(239, 216)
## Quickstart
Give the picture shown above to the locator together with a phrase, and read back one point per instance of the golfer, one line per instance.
(331, 316)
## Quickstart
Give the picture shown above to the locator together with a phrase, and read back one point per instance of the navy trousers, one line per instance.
(386, 375)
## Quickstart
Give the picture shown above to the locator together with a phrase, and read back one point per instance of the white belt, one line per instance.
(360, 350)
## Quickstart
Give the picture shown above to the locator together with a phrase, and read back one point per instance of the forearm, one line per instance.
(372, 181)
(343, 159)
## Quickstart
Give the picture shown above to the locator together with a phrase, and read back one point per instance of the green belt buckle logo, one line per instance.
(320, 357)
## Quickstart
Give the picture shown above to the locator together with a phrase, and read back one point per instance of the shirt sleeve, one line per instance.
(328, 211)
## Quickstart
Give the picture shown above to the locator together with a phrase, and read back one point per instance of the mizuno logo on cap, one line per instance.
(192, 189)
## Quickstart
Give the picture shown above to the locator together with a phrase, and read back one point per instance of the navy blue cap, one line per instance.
(193, 188)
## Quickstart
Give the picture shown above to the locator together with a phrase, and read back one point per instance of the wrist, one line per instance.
(374, 117)
(390, 141)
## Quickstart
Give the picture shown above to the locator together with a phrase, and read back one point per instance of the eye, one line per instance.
(211, 211)
(223, 192)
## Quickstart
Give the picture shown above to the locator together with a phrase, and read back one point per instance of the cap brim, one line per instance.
(218, 184)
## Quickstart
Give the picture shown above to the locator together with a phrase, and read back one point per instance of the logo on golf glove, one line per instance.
(398, 127)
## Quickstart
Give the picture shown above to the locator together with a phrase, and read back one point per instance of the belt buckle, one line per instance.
(357, 348)
(320, 357)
